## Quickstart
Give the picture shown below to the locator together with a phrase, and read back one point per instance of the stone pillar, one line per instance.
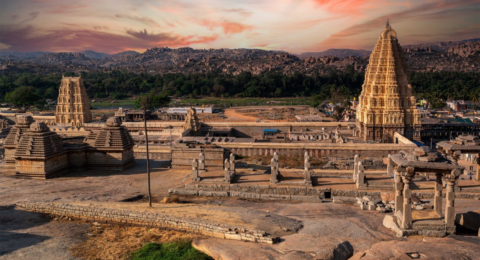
(232, 162)
(450, 207)
(274, 171)
(356, 159)
(407, 201)
(398, 192)
(306, 171)
(390, 166)
(437, 200)
(477, 176)
(201, 161)
(227, 177)
(360, 176)
(195, 175)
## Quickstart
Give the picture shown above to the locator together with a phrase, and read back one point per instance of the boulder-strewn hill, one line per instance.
(441, 56)
(339, 53)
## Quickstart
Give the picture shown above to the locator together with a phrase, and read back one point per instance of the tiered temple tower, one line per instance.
(73, 107)
(386, 104)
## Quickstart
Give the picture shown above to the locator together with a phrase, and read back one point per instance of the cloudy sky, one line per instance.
(296, 26)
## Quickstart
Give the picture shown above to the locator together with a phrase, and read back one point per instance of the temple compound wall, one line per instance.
(386, 104)
(73, 107)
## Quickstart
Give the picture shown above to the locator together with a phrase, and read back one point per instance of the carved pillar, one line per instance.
(398, 192)
(390, 166)
(306, 172)
(477, 176)
(274, 171)
(232, 162)
(356, 159)
(227, 178)
(437, 201)
(360, 176)
(450, 207)
(201, 161)
(407, 199)
(195, 175)
(451, 179)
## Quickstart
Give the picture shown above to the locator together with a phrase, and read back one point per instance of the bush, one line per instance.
(180, 250)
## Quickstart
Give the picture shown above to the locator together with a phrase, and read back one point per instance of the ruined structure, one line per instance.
(111, 147)
(73, 107)
(386, 104)
(34, 151)
(406, 165)
(464, 144)
(13, 138)
(191, 122)
(40, 153)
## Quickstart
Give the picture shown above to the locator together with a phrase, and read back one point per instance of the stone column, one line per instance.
(306, 171)
(451, 179)
(201, 161)
(390, 166)
(437, 200)
(407, 200)
(398, 192)
(356, 159)
(195, 175)
(477, 177)
(274, 171)
(450, 207)
(360, 176)
(232, 162)
(227, 178)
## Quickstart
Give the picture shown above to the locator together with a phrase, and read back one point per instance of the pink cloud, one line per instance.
(228, 27)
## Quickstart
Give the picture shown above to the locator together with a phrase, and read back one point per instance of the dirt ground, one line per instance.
(25, 235)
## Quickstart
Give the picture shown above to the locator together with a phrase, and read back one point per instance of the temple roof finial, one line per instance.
(388, 23)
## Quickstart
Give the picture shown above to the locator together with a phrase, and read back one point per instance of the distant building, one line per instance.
(131, 115)
(184, 110)
(457, 105)
(308, 118)
(73, 107)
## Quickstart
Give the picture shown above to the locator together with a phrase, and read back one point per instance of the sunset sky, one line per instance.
(295, 26)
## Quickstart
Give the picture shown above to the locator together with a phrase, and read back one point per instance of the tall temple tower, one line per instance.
(73, 107)
(386, 104)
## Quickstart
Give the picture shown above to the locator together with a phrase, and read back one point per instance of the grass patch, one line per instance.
(218, 101)
(179, 250)
(117, 102)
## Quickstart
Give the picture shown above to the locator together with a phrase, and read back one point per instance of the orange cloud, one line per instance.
(350, 7)
(229, 28)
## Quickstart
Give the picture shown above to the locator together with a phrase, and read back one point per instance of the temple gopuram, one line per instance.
(386, 104)
(73, 107)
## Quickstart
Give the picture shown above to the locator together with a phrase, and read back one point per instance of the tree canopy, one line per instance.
(23, 98)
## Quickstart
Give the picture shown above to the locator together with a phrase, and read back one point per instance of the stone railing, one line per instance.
(151, 219)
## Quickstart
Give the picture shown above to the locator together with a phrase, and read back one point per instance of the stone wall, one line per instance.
(149, 219)
(266, 192)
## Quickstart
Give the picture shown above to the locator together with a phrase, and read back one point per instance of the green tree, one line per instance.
(146, 102)
(23, 98)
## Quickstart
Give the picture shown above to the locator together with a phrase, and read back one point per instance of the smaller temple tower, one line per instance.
(21, 127)
(191, 121)
(73, 107)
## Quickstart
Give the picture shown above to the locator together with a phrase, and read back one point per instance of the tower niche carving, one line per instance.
(73, 107)
(386, 104)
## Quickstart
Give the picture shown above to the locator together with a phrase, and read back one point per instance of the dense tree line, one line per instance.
(118, 84)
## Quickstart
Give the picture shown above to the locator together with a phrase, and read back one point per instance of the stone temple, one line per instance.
(73, 107)
(386, 104)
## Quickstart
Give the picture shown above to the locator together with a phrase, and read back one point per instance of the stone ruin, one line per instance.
(33, 151)
(191, 121)
(198, 166)
(406, 166)
(464, 144)
(275, 170)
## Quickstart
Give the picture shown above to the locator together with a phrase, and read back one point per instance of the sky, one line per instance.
(296, 26)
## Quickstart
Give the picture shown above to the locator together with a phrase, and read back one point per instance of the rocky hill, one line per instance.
(339, 53)
(441, 56)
